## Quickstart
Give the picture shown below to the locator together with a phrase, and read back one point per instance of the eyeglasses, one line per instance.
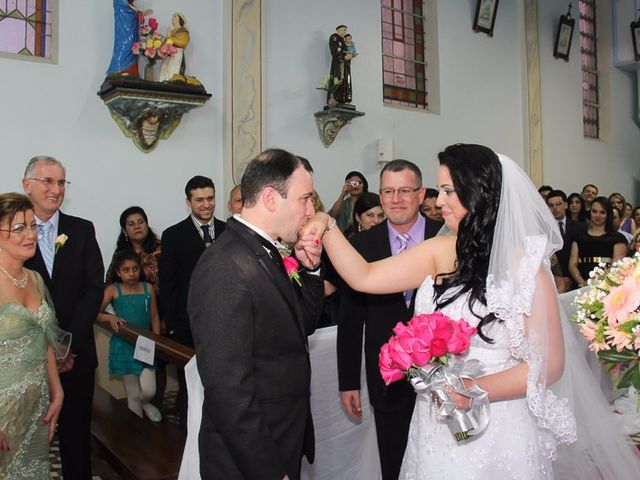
(49, 182)
(21, 230)
(402, 191)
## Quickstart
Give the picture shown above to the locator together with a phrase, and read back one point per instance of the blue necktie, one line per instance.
(46, 246)
(404, 238)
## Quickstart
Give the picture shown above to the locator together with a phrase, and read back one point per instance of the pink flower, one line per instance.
(145, 30)
(153, 23)
(291, 267)
(399, 356)
(150, 52)
(619, 339)
(461, 338)
(588, 330)
(420, 353)
(621, 301)
(388, 370)
(135, 48)
(438, 347)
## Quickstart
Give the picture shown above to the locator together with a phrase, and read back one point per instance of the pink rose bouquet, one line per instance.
(427, 338)
(608, 313)
(291, 266)
(152, 45)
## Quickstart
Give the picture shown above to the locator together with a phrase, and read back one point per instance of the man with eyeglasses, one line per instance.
(401, 194)
(68, 259)
(569, 229)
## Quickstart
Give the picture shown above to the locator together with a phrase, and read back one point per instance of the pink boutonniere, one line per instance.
(291, 266)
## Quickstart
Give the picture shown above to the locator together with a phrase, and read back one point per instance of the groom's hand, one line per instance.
(351, 402)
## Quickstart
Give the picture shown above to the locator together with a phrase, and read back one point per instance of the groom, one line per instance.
(250, 324)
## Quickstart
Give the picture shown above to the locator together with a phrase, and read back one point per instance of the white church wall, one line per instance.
(54, 110)
(480, 88)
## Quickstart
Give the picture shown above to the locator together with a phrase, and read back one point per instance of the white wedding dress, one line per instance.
(508, 448)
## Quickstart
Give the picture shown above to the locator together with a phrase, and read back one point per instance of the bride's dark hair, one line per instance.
(477, 179)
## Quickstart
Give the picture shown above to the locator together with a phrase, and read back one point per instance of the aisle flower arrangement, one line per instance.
(608, 313)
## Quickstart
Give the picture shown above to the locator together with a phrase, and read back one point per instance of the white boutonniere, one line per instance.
(60, 241)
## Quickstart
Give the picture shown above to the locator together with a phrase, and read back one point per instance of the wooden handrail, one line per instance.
(168, 350)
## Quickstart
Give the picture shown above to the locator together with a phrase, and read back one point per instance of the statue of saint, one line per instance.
(340, 67)
(178, 36)
(126, 16)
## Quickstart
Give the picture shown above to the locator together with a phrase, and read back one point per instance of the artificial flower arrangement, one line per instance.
(608, 313)
(427, 352)
(152, 45)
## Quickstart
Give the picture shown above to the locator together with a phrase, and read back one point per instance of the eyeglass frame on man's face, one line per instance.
(21, 230)
(402, 191)
(49, 181)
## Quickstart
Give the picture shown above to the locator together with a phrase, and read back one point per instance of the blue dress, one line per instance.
(126, 33)
(136, 310)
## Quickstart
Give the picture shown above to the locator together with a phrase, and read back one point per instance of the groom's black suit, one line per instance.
(76, 286)
(377, 315)
(250, 327)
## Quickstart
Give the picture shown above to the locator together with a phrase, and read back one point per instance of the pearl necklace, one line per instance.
(18, 283)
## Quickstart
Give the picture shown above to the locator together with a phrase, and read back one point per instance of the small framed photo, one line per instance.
(485, 17)
(635, 38)
(563, 38)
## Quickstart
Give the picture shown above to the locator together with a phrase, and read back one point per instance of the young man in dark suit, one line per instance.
(250, 324)
(182, 245)
(401, 194)
(68, 259)
(569, 229)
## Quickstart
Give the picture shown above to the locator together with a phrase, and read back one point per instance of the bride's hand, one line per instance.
(308, 251)
(314, 229)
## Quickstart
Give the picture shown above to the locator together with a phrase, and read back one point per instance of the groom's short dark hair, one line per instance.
(271, 168)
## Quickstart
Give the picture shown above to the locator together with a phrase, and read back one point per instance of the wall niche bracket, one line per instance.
(148, 111)
(330, 120)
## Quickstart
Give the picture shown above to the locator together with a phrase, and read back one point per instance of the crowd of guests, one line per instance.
(50, 262)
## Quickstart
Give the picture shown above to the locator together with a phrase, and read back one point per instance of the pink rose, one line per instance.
(153, 23)
(461, 338)
(290, 264)
(150, 52)
(438, 347)
(389, 372)
(443, 330)
(135, 48)
(420, 353)
(399, 355)
(145, 30)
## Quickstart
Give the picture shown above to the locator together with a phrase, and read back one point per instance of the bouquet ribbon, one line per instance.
(434, 379)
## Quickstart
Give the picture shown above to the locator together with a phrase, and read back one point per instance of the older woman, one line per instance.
(30, 391)
(136, 235)
(601, 243)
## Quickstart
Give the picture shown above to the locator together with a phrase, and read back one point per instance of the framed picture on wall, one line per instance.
(635, 38)
(485, 17)
(563, 37)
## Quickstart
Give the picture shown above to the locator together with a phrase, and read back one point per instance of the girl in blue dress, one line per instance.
(134, 302)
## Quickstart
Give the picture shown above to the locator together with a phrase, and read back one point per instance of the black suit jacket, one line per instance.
(572, 230)
(76, 286)
(377, 315)
(250, 325)
(181, 247)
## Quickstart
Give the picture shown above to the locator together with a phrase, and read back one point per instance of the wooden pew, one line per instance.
(137, 448)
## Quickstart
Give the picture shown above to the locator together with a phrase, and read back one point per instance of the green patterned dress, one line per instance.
(24, 390)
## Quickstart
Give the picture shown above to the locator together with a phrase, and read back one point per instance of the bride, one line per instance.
(494, 273)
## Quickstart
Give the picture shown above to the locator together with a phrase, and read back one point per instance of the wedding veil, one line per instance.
(576, 424)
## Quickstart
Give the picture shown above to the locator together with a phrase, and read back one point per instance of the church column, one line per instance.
(534, 123)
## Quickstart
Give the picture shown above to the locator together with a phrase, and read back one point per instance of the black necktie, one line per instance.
(206, 236)
(561, 225)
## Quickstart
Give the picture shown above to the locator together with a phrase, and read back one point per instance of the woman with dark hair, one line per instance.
(135, 234)
(355, 184)
(627, 224)
(492, 271)
(577, 208)
(367, 212)
(599, 244)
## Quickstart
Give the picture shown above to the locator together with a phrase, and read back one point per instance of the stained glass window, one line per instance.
(589, 59)
(26, 27)
(403, 53)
